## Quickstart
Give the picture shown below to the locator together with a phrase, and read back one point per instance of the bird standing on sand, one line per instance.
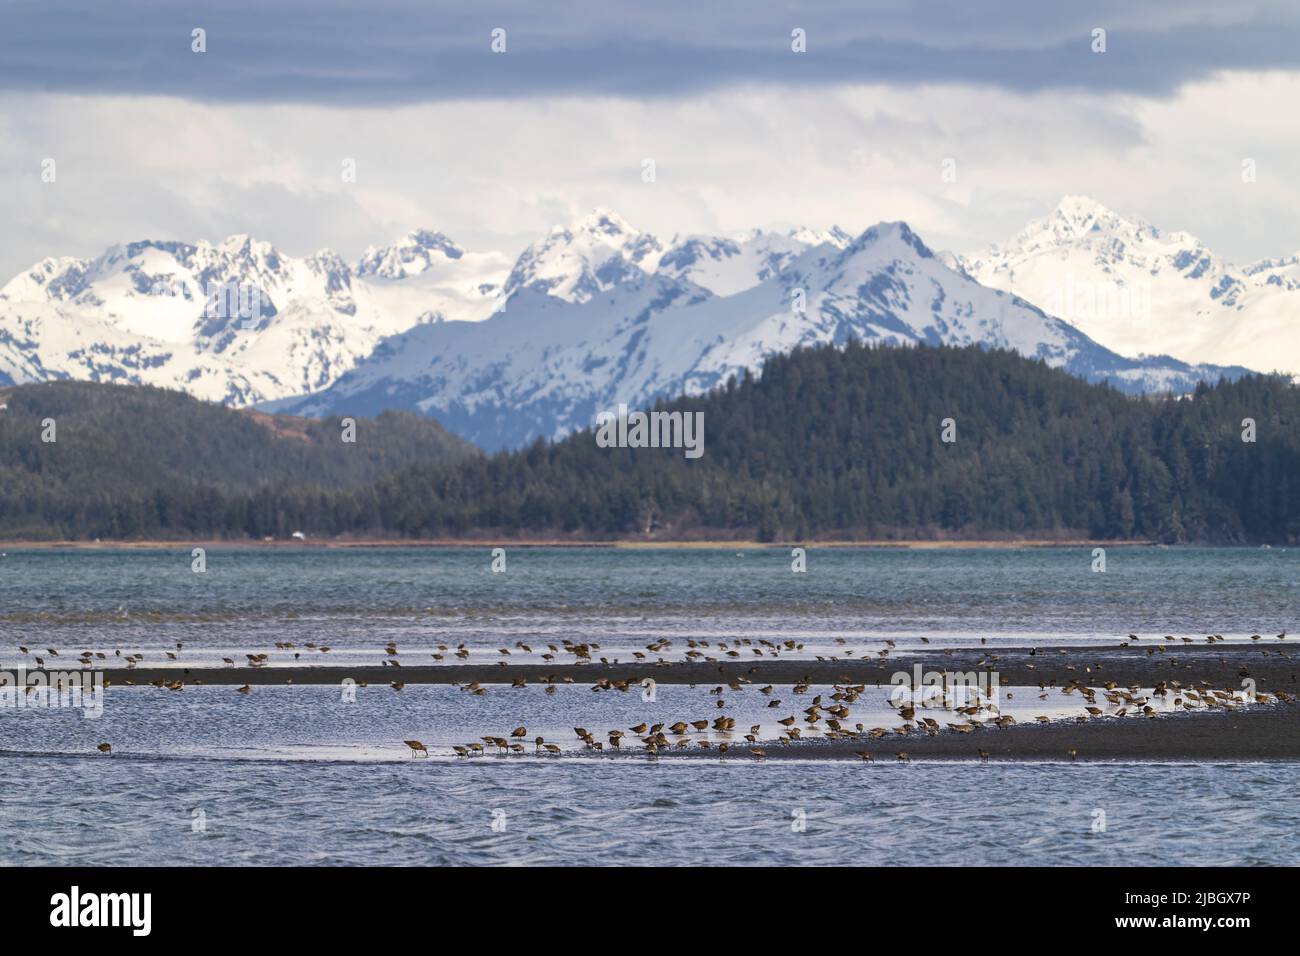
(416, 747)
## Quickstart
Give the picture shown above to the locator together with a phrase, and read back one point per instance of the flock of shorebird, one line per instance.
(831, 712)
(698, 650)
(827, 716)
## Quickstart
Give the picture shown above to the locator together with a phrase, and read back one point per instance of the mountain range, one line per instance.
(143, 313)
(1139, 290)
(597, 313)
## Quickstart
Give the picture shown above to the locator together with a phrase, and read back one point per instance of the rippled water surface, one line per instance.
(355, 600)
(298, 774)
(82, 810)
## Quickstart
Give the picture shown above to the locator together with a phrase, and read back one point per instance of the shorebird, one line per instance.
(416, 747)
(105, 748)
(245, 689)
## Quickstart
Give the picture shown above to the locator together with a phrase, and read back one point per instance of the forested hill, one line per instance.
(830, 443)
(843, 443)
(129, 460)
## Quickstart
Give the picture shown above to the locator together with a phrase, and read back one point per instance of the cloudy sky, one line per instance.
(152, 140)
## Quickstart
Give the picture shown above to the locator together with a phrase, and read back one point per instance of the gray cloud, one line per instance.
(390, 52)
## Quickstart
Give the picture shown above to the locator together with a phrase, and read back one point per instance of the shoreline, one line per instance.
(920, 544)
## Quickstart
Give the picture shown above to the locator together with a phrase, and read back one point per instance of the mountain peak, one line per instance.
(237, 243)
(603, 221)
(591, 254)
(1076, 205)
(414, 253)
(886, 232)
(428, 239)
(835, 236)
(1077, 215)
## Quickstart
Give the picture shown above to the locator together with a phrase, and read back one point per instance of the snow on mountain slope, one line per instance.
(1282, 274)
(594, 313)
(727, 266)
(41, 342)
(236, 322)
(427, 276)
(1138, 290)
(577, 262)
(549, 363)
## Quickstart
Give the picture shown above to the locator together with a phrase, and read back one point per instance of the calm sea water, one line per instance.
(360, 599)
(301, 775)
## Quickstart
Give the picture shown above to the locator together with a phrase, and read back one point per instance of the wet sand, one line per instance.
(1271, 664)
(1260, 732)
(1256, 732)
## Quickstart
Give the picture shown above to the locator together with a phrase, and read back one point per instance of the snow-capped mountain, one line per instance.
(606, 329)
(727, 266)
(237, 322)
(577, 262)
(1139, 290)
(593, 314)
(415, 253)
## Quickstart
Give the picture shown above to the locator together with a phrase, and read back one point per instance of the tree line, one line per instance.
(829, 443)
